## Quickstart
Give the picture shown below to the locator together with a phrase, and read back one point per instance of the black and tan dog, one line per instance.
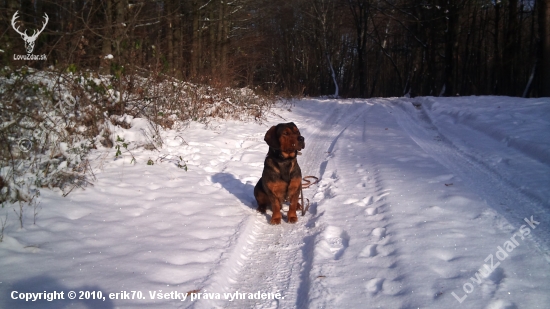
(282, 178)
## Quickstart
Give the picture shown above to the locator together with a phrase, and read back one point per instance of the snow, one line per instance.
(440, 204)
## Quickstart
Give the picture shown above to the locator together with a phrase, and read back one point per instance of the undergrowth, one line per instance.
(50, 121)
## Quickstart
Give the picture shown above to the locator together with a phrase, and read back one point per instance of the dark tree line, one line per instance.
(359, 48)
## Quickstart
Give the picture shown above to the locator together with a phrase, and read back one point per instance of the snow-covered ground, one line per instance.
(422, 203)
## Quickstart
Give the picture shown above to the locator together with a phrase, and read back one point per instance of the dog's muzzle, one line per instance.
(301, 142)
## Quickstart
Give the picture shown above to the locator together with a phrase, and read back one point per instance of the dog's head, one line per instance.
(285, 137)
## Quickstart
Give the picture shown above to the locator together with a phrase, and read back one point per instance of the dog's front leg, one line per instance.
(293, 194)
(277, 191)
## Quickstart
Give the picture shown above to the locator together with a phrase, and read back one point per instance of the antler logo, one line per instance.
(29, 40)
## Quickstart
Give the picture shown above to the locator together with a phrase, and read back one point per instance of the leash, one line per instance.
(306, 185)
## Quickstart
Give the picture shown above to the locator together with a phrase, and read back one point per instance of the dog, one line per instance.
(281, 178)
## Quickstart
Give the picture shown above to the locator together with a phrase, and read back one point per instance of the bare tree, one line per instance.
(360, 13)
(544, 29)
(315, 47)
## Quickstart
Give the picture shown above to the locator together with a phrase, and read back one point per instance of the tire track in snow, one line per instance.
(511, 203)
(358, 198)
(277, 259)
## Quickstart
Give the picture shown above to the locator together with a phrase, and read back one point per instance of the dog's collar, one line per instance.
(279, 154)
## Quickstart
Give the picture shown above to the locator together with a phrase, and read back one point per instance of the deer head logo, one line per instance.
(29, 40)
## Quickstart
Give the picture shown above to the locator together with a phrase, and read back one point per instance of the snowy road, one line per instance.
(417, 207)
(381, 166)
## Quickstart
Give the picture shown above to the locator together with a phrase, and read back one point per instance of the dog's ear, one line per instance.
(271, 138)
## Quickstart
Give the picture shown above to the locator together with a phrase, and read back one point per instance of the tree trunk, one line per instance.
(105, 64)
(509, 78)
(496, 64)
(226, 23)
(11, 39)
(120, 27)
(195, 40)
(544, 28)
(450, 42)
(359, 10)
(170, 35)
(213, 42)
(178, 43)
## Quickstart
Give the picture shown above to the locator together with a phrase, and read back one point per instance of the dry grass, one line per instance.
(50, 120)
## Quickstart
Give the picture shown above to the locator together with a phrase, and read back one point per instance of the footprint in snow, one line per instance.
(366, 201)
(371, 211)
(350, 201)
(333, 243)
(368, 252)
(379, 232)
(374, 286)
(491, 282)
(381, 197)
(501, 304)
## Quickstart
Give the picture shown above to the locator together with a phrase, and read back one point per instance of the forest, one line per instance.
(347, 48)
(134, 133)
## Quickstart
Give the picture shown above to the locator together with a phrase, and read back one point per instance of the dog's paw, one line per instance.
(292, 219)
(275, 221)
(261, 210)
